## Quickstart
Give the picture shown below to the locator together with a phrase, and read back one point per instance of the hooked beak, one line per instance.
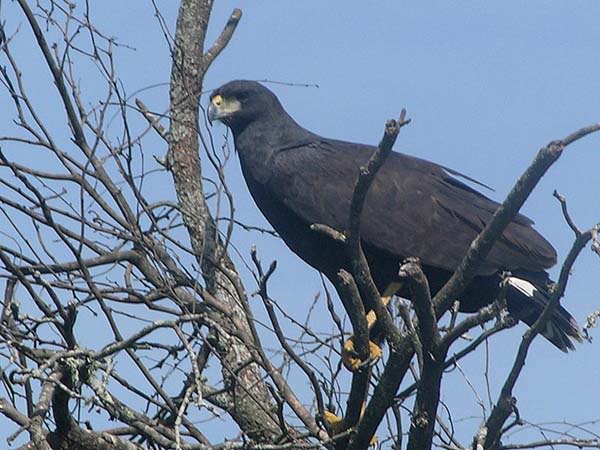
(221, 108)
(212, 113)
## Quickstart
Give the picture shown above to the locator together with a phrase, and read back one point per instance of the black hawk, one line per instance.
(413, 208)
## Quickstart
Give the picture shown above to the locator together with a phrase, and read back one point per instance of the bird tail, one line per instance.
(526, 301)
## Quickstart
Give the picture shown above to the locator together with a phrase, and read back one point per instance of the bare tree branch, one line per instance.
(505, 404)
(124, 304)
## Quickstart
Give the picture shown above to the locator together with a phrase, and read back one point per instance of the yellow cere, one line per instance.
(217, 100)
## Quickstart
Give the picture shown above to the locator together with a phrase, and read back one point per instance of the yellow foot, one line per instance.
(351, 360)
(335, 424)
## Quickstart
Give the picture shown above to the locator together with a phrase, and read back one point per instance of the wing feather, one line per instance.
(413, 208)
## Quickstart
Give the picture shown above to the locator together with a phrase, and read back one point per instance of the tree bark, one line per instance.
(252, 405)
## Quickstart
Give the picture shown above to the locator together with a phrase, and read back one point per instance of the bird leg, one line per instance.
(336, 425)
(350, 358)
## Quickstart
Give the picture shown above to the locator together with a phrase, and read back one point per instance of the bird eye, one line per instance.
(242, 96)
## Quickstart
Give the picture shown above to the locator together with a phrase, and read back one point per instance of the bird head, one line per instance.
(241, 102)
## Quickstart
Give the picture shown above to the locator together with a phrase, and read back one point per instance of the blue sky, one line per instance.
(485, 84)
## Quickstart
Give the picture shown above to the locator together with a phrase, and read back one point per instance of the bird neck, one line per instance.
(259, 141)
(270, 134)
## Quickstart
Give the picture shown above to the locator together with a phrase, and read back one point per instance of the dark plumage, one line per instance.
(413, 208)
